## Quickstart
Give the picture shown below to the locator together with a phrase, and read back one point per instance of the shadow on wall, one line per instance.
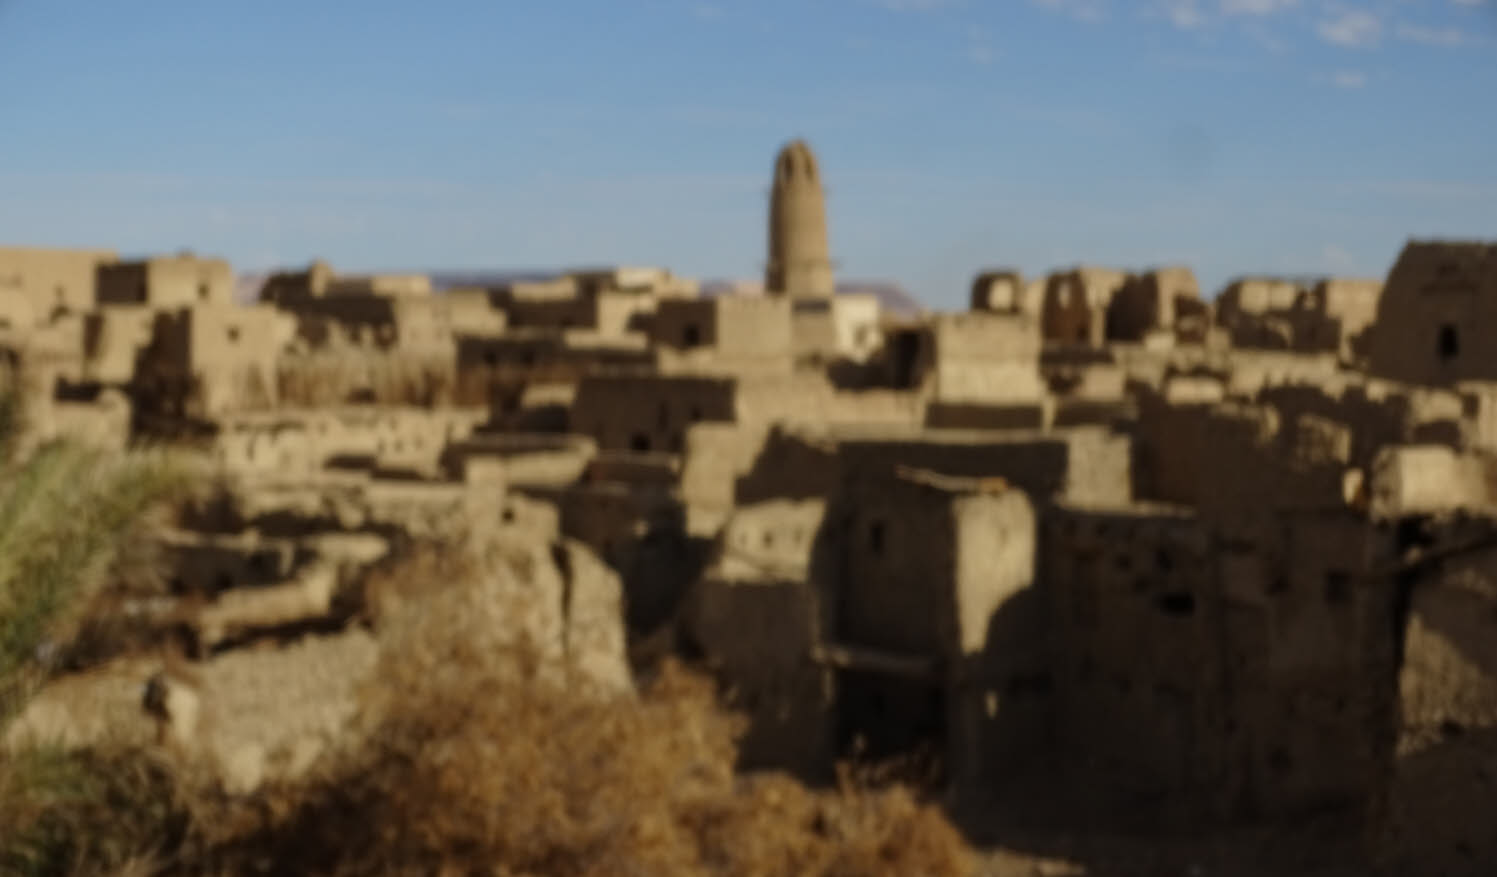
(788, 467)
(1030, 794)
(791, 466)
(658, 569)
(837, 688)
(1443, 799)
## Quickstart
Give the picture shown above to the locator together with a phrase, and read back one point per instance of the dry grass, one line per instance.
(482, 772)
(467, 759)
(67, 514)
(468, 762)
(86, 813)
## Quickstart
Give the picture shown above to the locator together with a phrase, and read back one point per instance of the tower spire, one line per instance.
(799, 265)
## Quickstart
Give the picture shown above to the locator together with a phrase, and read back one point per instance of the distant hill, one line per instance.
(452, 279)
(247, 286)
(893, 297)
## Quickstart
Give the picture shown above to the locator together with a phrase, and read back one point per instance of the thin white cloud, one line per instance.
(1089, 11)
(1256, 7)
(1349, 79)
(1433, 36)
(980, 49)
(1353, 29)
(1199, 14)
(1266, 39)
(1185, 14)
(917, 5)
(1336, 258)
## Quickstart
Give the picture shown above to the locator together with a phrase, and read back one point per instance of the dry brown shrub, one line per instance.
(473, 755)
(88, 812)
(473, 760)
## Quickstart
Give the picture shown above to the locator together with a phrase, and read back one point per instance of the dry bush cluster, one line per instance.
(478, 771)
(68, 516)
(89, 813)
(471, 757)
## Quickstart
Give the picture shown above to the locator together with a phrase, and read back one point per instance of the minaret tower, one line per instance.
(798, 262)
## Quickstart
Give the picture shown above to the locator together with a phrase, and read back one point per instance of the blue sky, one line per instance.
(1236, 136)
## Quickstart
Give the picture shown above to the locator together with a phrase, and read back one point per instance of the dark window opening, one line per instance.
(233, 333)
(639, 442)
(1449, 343)
(880, 717)
(1166, 691)
(204, 291)
(696, 413)
(691, 335)
(1177, 604)
(1337, 587)
(490, 358)
(1018, 686)
(876, 537)
(905, 355)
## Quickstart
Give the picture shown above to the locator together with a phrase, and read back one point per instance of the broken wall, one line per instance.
(1439, 300)
(167, 282)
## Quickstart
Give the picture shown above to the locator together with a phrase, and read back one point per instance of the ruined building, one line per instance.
(1190, 563)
